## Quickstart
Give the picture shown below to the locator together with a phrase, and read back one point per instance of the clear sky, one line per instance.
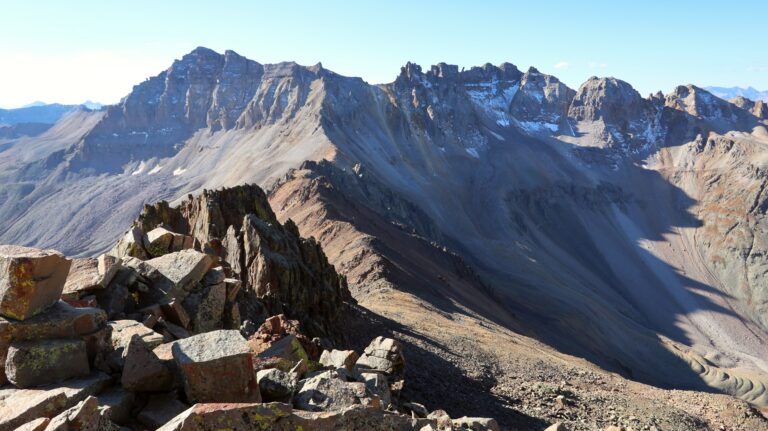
(72, 51)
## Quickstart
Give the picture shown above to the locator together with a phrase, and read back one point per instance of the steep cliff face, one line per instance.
(282, 272)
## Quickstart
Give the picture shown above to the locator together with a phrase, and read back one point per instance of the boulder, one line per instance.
(284, 354)
(384, 355)
(18, 406)
(276, 385)
(557, 427)
(476, 424)
(352, 418)
(124, 330)
(59, 321)
(116, 404)
(83, 417)
(176, 313)
(38, 424)
(176, 274)
(339, 359)
(206, 307)
(329, 391)
(31, 280)
(42, 362)
(134, 244)
(203, 417)
(143, 370)
(160, 409)
(83, 276)
(442, 418)
(162, 241)
(378, 385)
(223, 373)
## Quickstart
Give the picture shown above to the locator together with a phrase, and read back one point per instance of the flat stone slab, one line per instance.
(42, 362)
(124, 330)
(31, 280)
(19, 406)
(60, 321)
(217, 366)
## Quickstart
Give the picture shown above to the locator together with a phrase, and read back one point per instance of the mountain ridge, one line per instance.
(589, 211)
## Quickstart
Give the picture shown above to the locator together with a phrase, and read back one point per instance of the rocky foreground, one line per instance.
(198, 319)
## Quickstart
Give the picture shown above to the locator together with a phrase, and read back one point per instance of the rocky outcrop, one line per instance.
(280, 271)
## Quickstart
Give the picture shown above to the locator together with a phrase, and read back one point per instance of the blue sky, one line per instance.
(72, 51)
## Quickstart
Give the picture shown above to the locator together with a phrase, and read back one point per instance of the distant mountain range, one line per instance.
(41, 113)
(729, 93)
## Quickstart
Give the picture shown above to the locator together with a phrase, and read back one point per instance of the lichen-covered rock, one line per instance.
(383, 355)
(276, 385)
(37, 363)
(59, 321)
(143, 370)
(18, 406)
(162, 241)
(328, 391)
(205, 305)
(216, 367)
(31, 280)
(352, 418)
(204, 417)
(339, 358)
(284, 353)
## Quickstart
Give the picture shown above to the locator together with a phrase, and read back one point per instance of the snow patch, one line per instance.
(178, 172)
(472, 151)
(155, 170)
(535, 126)
(140, 169)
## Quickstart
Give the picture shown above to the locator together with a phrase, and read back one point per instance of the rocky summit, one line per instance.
(182, 335)
(455, 245)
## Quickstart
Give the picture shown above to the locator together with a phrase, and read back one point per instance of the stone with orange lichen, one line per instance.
(31, 280)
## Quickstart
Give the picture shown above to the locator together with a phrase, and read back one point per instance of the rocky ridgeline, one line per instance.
(170, 331)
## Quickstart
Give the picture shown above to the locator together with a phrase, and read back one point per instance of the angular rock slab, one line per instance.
(339, 358)
(38, 424)
(476, 424)
(31, 280)
(216, 367)
(221, 416)
(42, 362)
(60, 321)
(383, 355)
(85, 416)
(143, 370)
(19, 406)
(328, 391)
(276, 385)
(352, 419)
(177, 273)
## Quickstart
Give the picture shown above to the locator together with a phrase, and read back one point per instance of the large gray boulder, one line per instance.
(384, 355)
(339, 358)
(276, 385)
(216, 367)
(36, 363)
(31, 280)
(329, 391)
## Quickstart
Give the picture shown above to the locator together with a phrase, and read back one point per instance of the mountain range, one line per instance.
(492, 215)
(729, 93)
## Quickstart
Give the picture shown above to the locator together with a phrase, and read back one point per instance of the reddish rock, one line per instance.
(143, 370)
(31, 280)
(203, 417)
(217, 366)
